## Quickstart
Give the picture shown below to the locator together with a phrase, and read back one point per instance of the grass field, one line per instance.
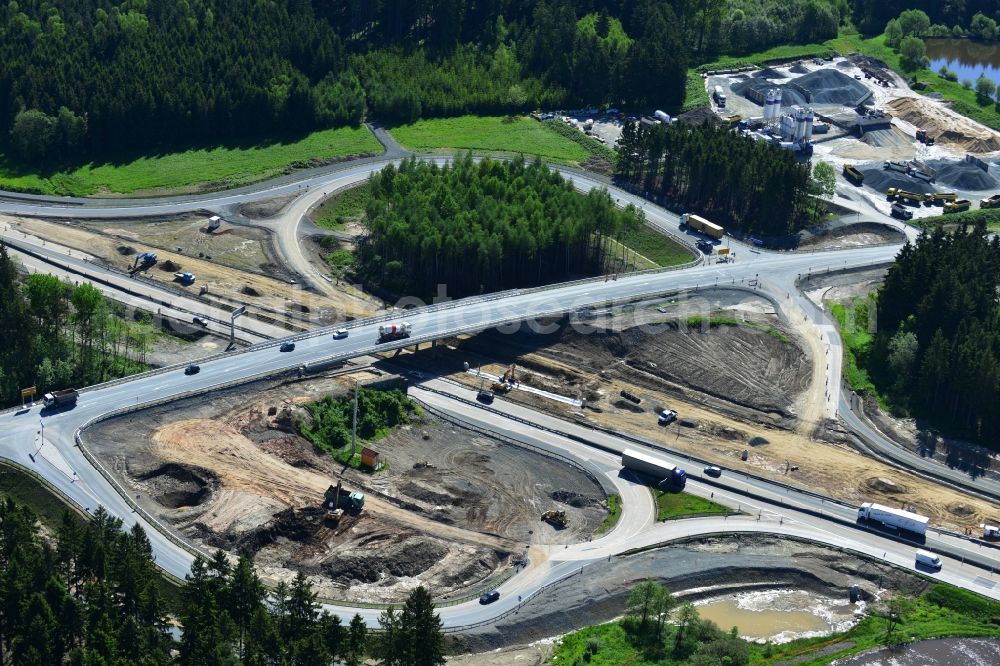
(657, 247)
(853, 323)
(614, 513)
(991, 216)
(491, 135)
(670, 506)
(348, 206)
(196, 169)
(715, 322)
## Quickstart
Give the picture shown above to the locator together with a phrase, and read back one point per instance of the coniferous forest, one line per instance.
(91, 595)
(937, 349)
(133, 74)
(482, 227)
(735, 181)
(56, 335)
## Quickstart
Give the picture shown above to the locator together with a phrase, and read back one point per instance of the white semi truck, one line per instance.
(894, 518)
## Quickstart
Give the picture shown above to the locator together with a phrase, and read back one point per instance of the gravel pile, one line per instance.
(829, 86)
(798, 68)
(788, 95)
(963, 176)
(882, 179)
(770, 73)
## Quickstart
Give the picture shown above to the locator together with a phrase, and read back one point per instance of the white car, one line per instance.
(340, 334)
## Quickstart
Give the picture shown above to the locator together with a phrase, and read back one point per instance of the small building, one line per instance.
(370, 458)
(214, 222)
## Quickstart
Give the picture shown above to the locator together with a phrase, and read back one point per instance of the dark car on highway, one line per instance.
(287, 346)
(485, 397)
(713, 471)
(489, 597)
(192, 370)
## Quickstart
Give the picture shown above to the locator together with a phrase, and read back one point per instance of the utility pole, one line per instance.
(354, 428)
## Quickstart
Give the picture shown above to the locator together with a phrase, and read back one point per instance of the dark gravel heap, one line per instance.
(963, 176)
(829, 86)
(881, 179)
(770, 73)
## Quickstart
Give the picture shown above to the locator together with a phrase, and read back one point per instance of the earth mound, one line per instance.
(885, 485)
(963, 176)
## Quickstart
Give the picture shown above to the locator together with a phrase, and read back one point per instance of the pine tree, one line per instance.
(420, 628)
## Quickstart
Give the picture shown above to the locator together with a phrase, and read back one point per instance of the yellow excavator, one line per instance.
(506, 380)
(556, 517)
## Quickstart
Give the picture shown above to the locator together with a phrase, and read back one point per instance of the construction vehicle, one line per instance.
(734, 119)
(992, 202)
(698, 223)
(556, 518)
(394, 331)
(890, 165)
(902, 212)
(990, 532)
(184, 278)
(500, 387)
(903, 195)
(852, 174)
(923, 138)
(940, 197)
(142, 261)
(957, 206)
(214, 223)
(719, 96)
(61, 398)
(337, 500)
(508, 376)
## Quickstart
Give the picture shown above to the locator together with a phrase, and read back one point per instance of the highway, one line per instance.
(57, 458)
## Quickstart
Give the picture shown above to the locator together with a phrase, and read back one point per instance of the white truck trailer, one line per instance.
(654, 467)
(894, 518)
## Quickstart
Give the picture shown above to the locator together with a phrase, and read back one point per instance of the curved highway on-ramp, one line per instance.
(64, 464)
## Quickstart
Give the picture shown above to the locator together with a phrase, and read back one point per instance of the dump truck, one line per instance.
(992, 202)
(903, 195)
(923, 138)
(852, 174)
(60, 398)
(902, 212)
(698, 223)
(654, 467)
(393, 331)
(893, 518)
(957, 206)
(940, 197)
(555, 517)
(184, 278)
(719, 96)
(890, 165)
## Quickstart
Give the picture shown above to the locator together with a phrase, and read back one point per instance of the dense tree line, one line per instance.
(90, 596)
(950, 18)
(481, 227)
(937, 348)
(56, 335)
(742, 26)
(115, 74)
(733, 180)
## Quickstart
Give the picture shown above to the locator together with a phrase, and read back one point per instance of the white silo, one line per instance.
(788, 126)
(798, 116)
(810, 117)
(774, 104)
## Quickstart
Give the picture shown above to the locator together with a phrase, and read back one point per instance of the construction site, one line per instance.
(744, 388)
(450, 508)
(897, 151)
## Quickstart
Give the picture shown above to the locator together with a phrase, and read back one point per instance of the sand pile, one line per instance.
(944, 127)
(881, 180)
(963, 176)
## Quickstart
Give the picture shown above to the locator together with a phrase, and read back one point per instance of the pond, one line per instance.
(780, 615)
(968, 59)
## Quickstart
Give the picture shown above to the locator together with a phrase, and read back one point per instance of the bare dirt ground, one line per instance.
(734, 389)
(853, 235)
(452, 509)
(226, 285)
(951, 128)
(239, 247)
